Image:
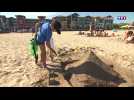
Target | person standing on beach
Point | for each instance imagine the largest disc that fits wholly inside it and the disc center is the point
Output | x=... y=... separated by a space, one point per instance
x=92 y=29
x=56 y=26
x=43 y=35
x=129 y=38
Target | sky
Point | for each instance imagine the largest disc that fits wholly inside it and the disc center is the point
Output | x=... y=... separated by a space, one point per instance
x=49 y=15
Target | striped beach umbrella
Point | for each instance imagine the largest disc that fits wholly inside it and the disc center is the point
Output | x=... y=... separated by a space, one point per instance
x=125 y=26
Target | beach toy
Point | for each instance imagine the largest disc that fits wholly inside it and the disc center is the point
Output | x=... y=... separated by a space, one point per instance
x=33 y=47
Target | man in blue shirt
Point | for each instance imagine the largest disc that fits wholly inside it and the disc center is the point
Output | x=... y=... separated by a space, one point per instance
x=43 y=35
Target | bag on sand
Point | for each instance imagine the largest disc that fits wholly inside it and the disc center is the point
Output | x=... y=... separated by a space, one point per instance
x=33 y=46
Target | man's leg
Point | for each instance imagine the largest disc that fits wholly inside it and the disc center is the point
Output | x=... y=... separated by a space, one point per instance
x=52 y=46
x=51 y=55
x=43 y=54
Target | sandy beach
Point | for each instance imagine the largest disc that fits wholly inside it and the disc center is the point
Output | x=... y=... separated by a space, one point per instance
x=17 y=67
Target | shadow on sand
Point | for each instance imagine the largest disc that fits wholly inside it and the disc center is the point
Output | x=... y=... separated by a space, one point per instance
x=92 y=69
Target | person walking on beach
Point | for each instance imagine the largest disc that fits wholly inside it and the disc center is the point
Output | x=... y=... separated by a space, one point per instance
x=43 y=35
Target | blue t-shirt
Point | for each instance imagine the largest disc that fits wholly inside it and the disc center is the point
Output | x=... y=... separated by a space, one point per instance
x=44 y=32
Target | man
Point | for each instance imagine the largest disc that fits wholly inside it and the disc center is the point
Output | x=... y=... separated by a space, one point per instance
x=129 y=37
x=43 y=35
x=92 y=29
x=56 y=25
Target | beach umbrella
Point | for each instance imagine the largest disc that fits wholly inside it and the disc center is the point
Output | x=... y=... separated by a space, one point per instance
x=125 y=26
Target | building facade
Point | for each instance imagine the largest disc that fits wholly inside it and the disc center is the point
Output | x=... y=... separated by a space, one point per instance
x=74 y=22
x=108 y=22
x=4 y=24
x=64 y=22
x=12 y=24
x=84 y=22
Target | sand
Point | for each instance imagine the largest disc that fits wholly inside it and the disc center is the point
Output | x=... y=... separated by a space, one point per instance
x=109 y=44
x=17 y=67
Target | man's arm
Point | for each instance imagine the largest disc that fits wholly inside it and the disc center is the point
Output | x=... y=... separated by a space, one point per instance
x=36 y=29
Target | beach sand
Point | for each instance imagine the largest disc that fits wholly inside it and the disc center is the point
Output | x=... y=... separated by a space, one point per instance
x=17 y=67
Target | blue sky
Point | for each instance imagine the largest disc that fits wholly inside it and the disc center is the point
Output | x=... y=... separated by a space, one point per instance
x=129 y=15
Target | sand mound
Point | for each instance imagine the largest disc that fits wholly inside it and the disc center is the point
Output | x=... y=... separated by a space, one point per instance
x=79 y=68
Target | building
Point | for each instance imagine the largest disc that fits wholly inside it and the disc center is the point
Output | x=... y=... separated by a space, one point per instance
x=18 y=24
x=108 y=23
x=21 y=24
x=69 y=22
x=99 y=22
x=4 y=24
x=30 y=24
x=26 y=25
x=64 y=22
x=84 y=22
x=12 y=24
x=103 y=22
x=74 y=22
